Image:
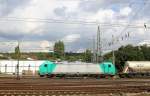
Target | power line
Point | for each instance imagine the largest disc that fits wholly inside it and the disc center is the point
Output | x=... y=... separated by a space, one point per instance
x=118 y=2
x=136 y=14
x=36 y=20
x=128 y=25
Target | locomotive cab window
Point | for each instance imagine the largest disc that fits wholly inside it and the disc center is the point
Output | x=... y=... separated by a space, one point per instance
x=109 y=65
x=45 y=65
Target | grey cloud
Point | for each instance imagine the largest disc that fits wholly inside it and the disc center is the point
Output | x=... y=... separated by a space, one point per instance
x=90 y=6
x=143 y=11
x=95 y=5
x=60 y=11
x=11 y=35
x=54 y=31
x=7 y=6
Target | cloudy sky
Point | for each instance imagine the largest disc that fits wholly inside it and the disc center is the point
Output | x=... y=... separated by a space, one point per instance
x=74 y=21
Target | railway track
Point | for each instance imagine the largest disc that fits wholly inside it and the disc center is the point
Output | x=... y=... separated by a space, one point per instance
x=43 y=87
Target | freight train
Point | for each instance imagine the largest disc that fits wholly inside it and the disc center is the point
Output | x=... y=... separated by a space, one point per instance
x=104 y=69
x=136 y=69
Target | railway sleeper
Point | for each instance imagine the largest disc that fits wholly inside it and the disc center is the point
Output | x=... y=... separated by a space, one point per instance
x=38 y=93
x=134 y=75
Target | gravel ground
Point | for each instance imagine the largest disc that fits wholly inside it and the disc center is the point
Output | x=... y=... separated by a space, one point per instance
x=74 y=87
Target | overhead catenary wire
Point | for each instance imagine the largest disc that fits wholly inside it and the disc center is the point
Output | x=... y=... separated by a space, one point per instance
x=38 y=20
x=128 y=25
x=119 y=1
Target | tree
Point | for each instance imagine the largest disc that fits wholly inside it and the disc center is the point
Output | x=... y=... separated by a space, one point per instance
x=17 y=52
x=146 y=52
x=127 y=53
x=59 y=49
x=88 y=55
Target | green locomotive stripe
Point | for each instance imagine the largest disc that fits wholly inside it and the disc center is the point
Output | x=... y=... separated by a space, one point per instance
x=107 y=68
x=102 y=69
x=51 y=67
x=47 y=67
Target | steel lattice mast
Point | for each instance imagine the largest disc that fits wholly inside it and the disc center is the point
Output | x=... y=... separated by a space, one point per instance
x=99 y=45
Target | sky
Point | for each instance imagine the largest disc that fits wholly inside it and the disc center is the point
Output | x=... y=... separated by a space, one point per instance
x=40 y=23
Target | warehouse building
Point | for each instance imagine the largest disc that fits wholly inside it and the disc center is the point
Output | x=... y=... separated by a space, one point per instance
x=29 y=67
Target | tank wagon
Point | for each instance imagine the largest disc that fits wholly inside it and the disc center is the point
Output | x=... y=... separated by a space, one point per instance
x=73 y=69
x=136 y=69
